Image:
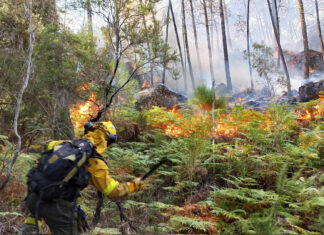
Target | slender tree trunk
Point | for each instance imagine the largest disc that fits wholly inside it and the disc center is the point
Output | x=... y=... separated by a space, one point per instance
x=319 y=28
x=21 y=92
x=179 y=48
x=211 y=24
x=305 y=39
x=248 y=43
x=278 y=27
x=184 y=31
x=280 y=50
x=227 y=25
x=89 y=15
x=226 y=59
x=148 y=48
x=216 y=30
x=208 y=43
x=195 y=36
x=166 y=40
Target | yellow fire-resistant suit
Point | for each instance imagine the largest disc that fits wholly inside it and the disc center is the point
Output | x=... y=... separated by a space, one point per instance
x=99 y=171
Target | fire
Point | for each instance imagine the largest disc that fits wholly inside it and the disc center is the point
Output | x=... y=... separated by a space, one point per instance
x=180 y=126
x=173 y=109
x=146 y=84
x=81 y=113
x=304 y=115
x=227 y=125
x=315 y=112
x=240 y=99
x=84 y=87
x=311 y=70
x=175 y=122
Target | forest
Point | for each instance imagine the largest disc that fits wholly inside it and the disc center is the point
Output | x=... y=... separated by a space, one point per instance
x=218 y=107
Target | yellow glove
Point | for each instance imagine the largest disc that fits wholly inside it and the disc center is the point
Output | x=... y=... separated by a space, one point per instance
x=135 y=185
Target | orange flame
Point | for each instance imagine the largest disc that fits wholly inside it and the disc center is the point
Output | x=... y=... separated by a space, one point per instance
x=312 y=113
x=146 y=84
x=304 y=115
x=311 y=70
x=84 y=87
x=179 y=127
x=82 y=112
x=240 y=99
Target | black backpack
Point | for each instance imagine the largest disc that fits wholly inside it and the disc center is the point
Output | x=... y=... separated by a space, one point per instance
x=60 y=172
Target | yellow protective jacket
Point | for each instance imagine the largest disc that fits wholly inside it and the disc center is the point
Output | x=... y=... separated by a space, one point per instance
x=99 y=177
x=98 y=169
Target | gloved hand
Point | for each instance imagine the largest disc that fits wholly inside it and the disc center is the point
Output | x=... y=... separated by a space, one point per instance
x=82 y=221
x=135 y=185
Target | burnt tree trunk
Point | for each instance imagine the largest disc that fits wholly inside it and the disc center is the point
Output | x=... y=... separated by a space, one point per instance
x=319 y=28
x=248 y=43
x=280 y=50
x=305 y=39
x=195 y=35
x=226 y=59
x=185 y=35
x=179 y=47
x=208 y=43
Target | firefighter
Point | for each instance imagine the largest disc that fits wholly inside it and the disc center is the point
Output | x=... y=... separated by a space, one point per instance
x=57 y=214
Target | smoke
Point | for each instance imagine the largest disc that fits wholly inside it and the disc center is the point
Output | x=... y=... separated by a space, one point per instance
x=314 y=78
x=260 y=32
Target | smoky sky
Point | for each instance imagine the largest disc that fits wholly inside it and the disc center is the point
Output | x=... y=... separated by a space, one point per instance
x=260 y=32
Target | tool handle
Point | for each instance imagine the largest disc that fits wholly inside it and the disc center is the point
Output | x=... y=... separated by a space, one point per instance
x=154 y=168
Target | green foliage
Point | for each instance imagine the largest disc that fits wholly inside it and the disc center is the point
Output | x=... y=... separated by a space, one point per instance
x=265 y=65
x=205 y=97
x=179 y=223
x=262 y=176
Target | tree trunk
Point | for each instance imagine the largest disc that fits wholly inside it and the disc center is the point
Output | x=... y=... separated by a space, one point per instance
x=305 y=39
x=21 y=92
x=248 y=43
x=166 y=40
x=184 y=31
x=209 y=44
x=275 y=16
x=179 y=47
x=278 y=28
x=89 y=15
x=50 y=14
x=195 y=36
x=227 y=26
x=319 y=28
x=280 y=50
x=226 y=59
x=211 y=24
x=148 y=49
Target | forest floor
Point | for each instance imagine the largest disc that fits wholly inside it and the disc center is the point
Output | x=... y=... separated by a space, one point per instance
x=263 y=175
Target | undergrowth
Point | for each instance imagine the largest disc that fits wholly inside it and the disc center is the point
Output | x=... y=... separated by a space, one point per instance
x=265 y=177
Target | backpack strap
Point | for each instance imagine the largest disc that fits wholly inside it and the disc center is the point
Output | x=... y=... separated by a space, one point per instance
x=98 y=156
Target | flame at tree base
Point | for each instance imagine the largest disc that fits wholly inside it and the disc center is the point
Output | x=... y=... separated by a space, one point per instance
x=83 y=112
